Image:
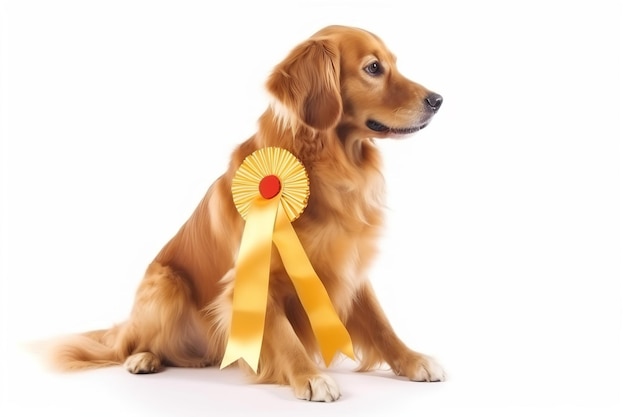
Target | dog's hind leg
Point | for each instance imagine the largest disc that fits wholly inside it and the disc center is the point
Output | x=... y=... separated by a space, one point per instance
x=166 y=327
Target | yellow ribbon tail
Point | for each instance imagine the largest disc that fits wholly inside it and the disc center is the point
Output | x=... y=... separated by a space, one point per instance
x=252 y=270
x=329 y=331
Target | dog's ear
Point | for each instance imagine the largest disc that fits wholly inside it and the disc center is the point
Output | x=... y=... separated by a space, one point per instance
x=306 y=83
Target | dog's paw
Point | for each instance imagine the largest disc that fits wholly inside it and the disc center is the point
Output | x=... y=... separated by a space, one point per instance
x=422 y=368
x=143 y=363
x=318 y=388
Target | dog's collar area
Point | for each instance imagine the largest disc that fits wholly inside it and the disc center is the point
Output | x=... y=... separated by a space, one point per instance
x=379 y=127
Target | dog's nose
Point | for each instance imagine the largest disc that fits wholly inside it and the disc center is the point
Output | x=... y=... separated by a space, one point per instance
x=434 y=100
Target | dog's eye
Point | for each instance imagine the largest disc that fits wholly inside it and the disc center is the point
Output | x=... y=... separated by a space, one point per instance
x=374 y=68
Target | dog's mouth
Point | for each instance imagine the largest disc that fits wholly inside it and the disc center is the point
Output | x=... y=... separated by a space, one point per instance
x=382 y=128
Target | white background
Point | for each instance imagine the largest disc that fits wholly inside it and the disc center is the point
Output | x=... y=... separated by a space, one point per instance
x=502 y=253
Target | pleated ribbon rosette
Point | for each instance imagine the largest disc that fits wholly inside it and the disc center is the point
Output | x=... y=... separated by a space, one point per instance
x=270 y=190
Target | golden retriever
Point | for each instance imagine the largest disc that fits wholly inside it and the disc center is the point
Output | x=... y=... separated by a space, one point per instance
x=331 y=97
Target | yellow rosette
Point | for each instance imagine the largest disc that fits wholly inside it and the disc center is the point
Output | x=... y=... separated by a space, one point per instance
x=270 y=190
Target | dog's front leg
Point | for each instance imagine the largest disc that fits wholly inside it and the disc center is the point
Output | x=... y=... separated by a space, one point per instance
x=377 y=342
x=284 y=360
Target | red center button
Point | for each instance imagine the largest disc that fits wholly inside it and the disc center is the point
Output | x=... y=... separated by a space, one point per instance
x=269 y=187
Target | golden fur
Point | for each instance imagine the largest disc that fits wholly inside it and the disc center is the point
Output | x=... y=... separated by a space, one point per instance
x=332 y=95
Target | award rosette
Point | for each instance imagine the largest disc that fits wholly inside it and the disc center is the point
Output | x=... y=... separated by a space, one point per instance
x=270 y=190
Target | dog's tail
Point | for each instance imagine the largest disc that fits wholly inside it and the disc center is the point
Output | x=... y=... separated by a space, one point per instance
x=95 y=349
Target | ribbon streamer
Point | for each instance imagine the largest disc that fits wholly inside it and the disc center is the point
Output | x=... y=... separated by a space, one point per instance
x=251 y=285
x=328 y=329
x=270 y=190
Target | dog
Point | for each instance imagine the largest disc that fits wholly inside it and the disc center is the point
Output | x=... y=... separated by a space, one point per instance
x=330 y=98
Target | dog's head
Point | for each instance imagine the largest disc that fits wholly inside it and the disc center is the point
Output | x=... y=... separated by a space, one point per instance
x=345 y=78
